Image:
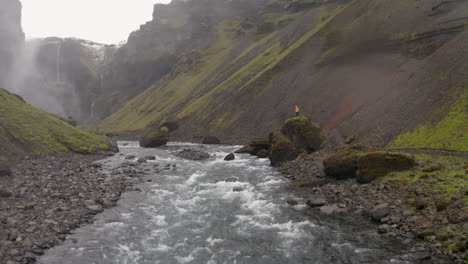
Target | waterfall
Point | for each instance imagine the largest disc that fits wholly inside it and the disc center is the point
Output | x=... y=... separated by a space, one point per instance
x=93 y=104
x=59 y=47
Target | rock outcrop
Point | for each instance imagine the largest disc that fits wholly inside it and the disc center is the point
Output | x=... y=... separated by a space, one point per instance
x=155 y=140
x=299 y=135
x=211 y=140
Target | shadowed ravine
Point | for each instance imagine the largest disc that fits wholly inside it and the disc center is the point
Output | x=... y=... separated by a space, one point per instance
x=189 y=213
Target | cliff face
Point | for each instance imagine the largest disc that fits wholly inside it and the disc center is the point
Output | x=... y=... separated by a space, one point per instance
x=372 y=69
x=11 y=37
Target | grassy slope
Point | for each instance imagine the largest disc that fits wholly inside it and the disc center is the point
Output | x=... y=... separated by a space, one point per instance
x=164 y=98
x=450 y=133
x=25 y=130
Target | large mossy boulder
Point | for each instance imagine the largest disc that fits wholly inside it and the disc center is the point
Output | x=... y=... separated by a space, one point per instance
x=211 y=140
x=157 y=139
x=373 y=165
x=281 y=149
x=303 y=133
x=343 y=163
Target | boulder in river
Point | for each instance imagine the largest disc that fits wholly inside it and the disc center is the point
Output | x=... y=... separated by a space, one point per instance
x=157 y=139
x=230 y=157
x=211 y=140
x=258 y=147
x=374 y=165
x=4 y=169
x=193 y=154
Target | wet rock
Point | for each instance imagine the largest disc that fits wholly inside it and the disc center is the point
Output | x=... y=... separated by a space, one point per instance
x=292 y=202
x=95 y=208
x=192 y=154
x=211 y=140
x=383 y=229
x=281 y=149
x=331 y=209
x=255 y=147
x=316 y=202
x=4 y=193
x=141 y=160
x=129 y=157
x=237 y=189
x=232 y=179
x=374 y=165
x=230 y=157
x=150 y=157
x=263 y=154
x=246 y=150
x=157 y=139
x=5 y=169
x=380 y=211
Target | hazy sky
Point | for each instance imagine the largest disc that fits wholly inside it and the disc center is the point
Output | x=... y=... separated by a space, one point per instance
x=105 y=21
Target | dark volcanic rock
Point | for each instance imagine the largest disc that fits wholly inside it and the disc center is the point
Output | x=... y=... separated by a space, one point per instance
x=281 y=149
x=193 y=154
x=230 y=157
x=374 y=165
x=343 y=163
x=211 y=140
x=156 y=139
x=263 y=154
x=303 y=133
x=4 y=169
x=4 y=193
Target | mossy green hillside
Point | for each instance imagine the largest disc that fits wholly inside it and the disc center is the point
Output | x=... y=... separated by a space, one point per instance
x=450 y=133
x=25 y=130
x=191 y=93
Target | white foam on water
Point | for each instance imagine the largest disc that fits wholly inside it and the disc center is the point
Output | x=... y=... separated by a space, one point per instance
x=212 y=241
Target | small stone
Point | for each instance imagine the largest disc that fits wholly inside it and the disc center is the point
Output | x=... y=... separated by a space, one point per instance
x=230 y=157
x=380 y=211
x=383 y=229
x=4 y=169
x=316 y=202
x=238 y=189
x=150 y=157
x=4 y=193
x=95 y=208
x=292 y=202
x=129 y=157
x=420 y=204
x=330 y=209
x=141 y=160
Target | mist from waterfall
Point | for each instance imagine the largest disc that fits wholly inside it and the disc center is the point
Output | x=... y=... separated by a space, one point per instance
x=30 y=83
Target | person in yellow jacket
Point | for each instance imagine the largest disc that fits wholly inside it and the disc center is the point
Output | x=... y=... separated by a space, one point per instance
x=297 y=110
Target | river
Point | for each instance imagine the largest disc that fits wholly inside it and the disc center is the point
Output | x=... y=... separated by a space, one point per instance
x=214 y=211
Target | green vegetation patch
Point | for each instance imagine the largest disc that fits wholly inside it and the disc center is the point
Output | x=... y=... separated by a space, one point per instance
x=451 y=133
x=25 y=130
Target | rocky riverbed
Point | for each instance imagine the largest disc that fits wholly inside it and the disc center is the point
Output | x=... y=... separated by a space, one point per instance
x=46 y=198
x=421 y=221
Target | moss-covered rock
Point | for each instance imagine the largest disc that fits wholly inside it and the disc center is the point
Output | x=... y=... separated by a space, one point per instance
x=211 y=140
x=157 y=139
x=304 y=133
x=373 y=165
x=343 y=164
x=281 y=149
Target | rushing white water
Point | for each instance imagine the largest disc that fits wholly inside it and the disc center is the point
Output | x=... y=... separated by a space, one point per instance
x=190 y=213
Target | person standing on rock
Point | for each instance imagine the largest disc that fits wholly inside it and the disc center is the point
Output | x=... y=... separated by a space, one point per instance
x=297 y=110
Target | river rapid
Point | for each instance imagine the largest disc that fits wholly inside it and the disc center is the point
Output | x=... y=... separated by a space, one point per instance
x=214 y=211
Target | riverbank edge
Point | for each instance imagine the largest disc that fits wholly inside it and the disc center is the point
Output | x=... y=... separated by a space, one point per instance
x=47 y=198
x=383 y=204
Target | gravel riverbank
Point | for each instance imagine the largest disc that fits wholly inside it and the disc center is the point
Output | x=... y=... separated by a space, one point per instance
x=417 y=221
x=46 y=198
